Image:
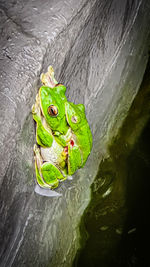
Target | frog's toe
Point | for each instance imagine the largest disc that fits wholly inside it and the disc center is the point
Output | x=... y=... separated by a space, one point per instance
x=50 y=70
x=51 y=183
x=42 y=78
x=36 y=149
x=48 y=78
x=33 y=109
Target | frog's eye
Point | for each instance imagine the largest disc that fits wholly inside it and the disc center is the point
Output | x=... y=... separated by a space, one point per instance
x=52 y=111
x=74 y=119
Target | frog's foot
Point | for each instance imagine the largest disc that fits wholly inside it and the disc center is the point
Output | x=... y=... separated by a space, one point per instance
x=51 y=174
x=41 y=181
x=38 y=166
x=48 y=78
x=34 y=110
x=47 y=174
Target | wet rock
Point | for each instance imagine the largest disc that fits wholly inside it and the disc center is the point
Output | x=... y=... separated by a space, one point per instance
x=99 y=51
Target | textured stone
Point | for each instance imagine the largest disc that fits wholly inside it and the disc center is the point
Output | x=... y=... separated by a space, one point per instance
x=99 y=51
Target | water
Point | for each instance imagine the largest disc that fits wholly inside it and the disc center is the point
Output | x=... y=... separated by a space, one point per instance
x=115 y=228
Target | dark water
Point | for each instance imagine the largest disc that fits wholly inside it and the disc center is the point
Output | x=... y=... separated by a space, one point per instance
x=134 y=247
x=115 y=228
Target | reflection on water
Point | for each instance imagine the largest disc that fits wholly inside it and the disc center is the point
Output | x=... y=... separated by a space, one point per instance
x=115 y=228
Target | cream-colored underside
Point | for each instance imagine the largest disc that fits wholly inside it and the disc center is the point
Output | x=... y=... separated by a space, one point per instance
x=51 y=154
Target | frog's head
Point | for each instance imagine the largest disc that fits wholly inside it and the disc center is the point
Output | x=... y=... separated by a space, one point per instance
x=52 y=103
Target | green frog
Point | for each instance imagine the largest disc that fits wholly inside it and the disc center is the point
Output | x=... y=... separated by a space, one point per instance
x=63 y=135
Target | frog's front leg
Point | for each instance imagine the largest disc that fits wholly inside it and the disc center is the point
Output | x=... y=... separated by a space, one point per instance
x=47 y=174
x=43 y=136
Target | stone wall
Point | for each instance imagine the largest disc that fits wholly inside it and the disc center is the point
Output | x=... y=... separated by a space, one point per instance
x=99 y=50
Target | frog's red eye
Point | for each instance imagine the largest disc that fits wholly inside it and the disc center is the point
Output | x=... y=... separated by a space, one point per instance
x=52 y=111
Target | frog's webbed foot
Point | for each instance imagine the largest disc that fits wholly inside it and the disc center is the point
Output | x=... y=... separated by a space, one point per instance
x=48 y=78
x=41 y=187
x=47 y=174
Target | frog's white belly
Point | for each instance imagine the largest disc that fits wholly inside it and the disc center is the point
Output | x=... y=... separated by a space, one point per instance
x=51 y=154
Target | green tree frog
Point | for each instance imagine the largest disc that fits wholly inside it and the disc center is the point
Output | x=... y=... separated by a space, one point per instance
x=63 y=135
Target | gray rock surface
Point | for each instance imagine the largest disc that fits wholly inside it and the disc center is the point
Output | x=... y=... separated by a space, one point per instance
x=99 y=50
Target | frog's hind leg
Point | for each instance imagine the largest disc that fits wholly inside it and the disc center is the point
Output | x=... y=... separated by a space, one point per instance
x=38 y=168
x=47 y=174
x=51 y=175
x=39 y=177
